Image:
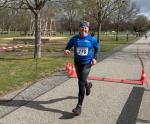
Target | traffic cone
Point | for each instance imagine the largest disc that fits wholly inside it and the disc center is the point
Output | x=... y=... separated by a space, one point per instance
x=69 y=69
x=143 y=76
x=73 y=72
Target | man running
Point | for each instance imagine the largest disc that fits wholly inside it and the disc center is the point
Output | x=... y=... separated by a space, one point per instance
x=84 y=58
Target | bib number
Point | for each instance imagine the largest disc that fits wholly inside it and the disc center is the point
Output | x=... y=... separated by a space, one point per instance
x=82 y=51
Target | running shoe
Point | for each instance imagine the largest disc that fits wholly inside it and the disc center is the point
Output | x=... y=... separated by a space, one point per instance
x=77 y=110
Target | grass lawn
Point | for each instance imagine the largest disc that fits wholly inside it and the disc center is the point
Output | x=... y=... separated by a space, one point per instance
x=18 y=68
x=15 y=73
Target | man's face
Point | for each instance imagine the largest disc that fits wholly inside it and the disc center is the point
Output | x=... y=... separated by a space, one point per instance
x=84 y=29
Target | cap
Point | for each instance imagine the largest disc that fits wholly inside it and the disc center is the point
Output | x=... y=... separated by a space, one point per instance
x=84 y=23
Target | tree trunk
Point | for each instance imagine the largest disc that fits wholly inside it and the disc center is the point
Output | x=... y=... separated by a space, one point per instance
x=117 y=27
x=70 y=31
x=37 y=51
x=70 y=27
x=117 y=30
x=98 y=31
x=8 y=29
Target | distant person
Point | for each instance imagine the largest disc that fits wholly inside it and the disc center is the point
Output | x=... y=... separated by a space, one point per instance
x=145 y=36
x=92 y=34
x=83 y=44
x=61 y=32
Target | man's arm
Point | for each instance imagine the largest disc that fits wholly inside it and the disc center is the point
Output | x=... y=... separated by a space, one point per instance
x=96 y=51
x=68 y=47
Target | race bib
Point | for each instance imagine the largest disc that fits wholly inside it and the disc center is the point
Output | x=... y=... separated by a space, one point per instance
x=82 y=51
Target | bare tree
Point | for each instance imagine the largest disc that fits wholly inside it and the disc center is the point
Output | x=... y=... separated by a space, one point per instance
x=70 y=8
x=35 y=6
x=99 y=10
x=22 y=20
x=141 y=23
x=124 y=13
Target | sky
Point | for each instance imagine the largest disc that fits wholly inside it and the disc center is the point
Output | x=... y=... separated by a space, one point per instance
x=144 y=6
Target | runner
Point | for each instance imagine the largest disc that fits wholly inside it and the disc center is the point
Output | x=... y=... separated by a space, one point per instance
x=145 y=36
x=83 y=44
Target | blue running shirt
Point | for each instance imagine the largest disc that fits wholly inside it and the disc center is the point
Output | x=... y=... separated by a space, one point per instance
x=83 y=48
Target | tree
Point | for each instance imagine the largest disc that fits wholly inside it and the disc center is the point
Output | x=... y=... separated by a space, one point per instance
x=124 y=13
x=4 y=19
x=99 y=10
x=35 y=7
x=141 y=23
x=7 y=17
x=70 y=8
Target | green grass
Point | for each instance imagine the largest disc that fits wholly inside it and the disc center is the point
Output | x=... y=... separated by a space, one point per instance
x=109 y=42
x=11 y=34
x=18 y=68
x=19 y=72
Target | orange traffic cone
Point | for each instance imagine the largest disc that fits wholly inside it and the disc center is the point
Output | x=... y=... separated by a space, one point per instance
x=143 y=76
x=73 y=72
x=67 y=67
x=70 y=69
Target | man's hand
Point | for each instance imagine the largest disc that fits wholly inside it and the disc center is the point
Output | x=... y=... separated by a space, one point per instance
x=67 y=52
x=94 y=61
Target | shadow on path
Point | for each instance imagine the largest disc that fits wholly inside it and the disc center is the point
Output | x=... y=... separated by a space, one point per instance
x=131 y=108
x=143 y=121
x=37 y=105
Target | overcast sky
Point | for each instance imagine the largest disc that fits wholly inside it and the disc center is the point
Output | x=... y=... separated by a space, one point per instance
x=144 y=6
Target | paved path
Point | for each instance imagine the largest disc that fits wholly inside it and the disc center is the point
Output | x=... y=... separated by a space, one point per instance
x=109 y=103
